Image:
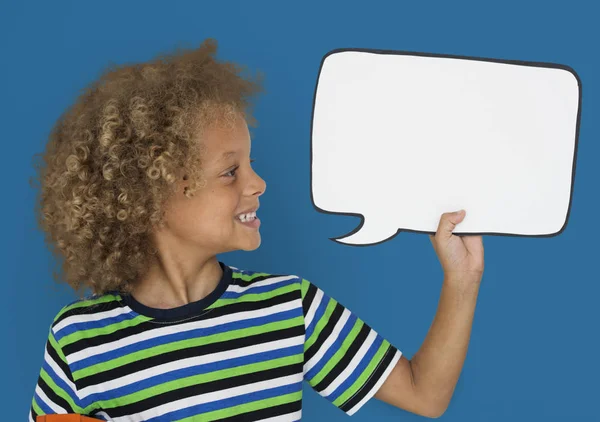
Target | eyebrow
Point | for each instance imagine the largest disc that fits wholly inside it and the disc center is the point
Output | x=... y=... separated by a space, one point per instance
x=228 y=154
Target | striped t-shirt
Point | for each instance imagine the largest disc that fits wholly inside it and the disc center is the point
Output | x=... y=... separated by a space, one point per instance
x=239 y=354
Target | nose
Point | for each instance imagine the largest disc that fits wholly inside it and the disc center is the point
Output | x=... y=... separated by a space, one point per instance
x=257 y=186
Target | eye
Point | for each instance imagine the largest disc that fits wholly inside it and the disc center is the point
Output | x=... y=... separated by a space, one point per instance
x=231 y=173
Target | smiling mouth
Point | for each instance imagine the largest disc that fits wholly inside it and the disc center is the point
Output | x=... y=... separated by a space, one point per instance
x=249 y=220
x=247 y=217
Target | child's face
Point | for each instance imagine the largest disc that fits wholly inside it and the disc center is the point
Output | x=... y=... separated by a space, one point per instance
x=209 y=221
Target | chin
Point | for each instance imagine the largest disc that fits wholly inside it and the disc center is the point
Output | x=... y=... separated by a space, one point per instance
x=253 y=247
x=248 y=249
x=252 y=244
x=246 y=244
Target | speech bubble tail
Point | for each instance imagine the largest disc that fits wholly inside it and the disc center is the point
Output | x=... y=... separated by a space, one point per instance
x=367 y=234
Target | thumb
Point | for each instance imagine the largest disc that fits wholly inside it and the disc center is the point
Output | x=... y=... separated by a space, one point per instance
x=448 y=223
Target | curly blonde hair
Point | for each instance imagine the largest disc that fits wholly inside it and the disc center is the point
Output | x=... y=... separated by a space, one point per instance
x=113 y=157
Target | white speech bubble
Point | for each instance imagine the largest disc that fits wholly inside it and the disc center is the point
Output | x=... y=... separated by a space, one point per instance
x=400 y=138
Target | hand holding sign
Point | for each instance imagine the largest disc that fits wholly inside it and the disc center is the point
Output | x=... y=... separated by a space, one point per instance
x=461 y=257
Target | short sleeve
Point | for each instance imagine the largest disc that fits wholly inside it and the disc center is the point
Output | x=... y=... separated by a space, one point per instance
x=55 y=392
x=345 y=360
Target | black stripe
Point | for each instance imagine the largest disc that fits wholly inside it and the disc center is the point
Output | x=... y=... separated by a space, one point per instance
x=325 y=332
x=198 y=389
x=179 y=354
x=94 y=412
x=149 y=325
x=309 y=296
x=32 y=413
x=84 y=343
x=269 y=412
x=61 y=364
x=385 y=362
x=243 y=283
x=345 y=360
x=89 y=310
x=55 y=398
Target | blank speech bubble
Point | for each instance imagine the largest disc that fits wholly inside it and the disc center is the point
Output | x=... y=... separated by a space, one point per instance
x=400 y=138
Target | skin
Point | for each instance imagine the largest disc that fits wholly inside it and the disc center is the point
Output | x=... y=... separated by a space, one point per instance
x=197 y=229
x=425 y=384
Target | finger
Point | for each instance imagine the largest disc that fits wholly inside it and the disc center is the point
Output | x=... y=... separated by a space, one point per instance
x=448 y=223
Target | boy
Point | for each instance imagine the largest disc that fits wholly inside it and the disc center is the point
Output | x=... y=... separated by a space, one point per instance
x=147 y=178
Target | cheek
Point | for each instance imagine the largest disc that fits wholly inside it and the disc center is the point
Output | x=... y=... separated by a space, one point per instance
x=205 y=226
x=216 y=219
x=211 y=214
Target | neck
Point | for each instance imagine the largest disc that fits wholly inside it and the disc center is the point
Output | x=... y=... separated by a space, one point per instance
x=173 y=281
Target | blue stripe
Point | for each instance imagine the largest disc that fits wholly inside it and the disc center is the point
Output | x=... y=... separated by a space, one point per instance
x=181 y=374
x=201 y=409
x=45 y=409
x=318 y=315
x=59 y=382
x=180 y=336
x=81 y=326
x=337 y=344
x=258 y=289
x=358 y=370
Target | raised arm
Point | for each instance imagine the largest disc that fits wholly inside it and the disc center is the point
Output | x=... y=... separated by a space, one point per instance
x=425 y=384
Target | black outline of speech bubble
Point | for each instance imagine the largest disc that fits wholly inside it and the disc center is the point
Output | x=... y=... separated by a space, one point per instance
x=447 y=56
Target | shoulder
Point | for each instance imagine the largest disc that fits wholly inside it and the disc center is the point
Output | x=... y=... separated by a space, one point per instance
x=245 y=278
x=267 y=284
x=248 y=277
x=87 y=309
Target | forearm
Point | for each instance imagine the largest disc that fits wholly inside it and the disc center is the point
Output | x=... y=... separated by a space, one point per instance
x=437 y=364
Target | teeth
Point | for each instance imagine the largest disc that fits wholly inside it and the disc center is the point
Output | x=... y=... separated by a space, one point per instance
x=247 y=217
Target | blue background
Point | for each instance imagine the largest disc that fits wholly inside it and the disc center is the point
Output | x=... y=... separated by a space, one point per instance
x=534 y=347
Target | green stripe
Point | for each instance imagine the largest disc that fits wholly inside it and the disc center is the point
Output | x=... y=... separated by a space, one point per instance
x=248 y=277
x=305 y=286
x=89 y=302
x=337 y=357
x=254 y=297
x=362 y=379
x=321 y=323
x=36 y=408
x=198 y=379
x=57 y=348
x=59 y=391
x=246 y=407
x=109 y=329
x=183 y=344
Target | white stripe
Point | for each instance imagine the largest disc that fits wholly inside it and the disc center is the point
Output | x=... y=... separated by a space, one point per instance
x=377 y=385
x=188 y=362
x=351 y=366
x=173 y=329
x=335 y=333
x=55 y=407
x=267 y=282
x=57 y=369
x=75 y=319
x=313 y=308
x=295 y=416
x=210 y=397
x=103 y=415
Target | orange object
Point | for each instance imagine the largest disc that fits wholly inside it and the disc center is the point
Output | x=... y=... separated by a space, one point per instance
x=64 y=418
